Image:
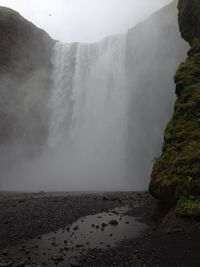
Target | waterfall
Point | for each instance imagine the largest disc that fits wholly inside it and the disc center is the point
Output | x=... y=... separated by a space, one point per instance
x=106 y=111
x=88 y=108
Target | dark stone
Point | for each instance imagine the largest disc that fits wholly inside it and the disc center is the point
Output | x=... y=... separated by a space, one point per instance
x=113 y=222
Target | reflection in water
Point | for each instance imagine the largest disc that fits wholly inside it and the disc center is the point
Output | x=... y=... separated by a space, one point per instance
x=64 y=246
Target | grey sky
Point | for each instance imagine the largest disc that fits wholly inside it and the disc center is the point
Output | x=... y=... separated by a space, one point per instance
x=84 y=20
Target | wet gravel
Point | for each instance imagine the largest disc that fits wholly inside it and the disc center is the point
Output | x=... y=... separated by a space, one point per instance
x=26 y=216
x=156 y=248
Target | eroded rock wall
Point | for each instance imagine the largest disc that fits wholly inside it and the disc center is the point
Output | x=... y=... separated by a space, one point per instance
x=176 y=173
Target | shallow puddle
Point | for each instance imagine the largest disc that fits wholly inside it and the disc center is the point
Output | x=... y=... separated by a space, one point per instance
x=63 y=247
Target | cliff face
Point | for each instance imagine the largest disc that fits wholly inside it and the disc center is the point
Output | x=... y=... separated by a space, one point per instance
x=24 y=79
x=189 y=19
x=176 y=173
x=154 y=51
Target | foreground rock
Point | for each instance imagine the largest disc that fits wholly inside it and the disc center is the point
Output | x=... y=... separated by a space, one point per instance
x=175 y=176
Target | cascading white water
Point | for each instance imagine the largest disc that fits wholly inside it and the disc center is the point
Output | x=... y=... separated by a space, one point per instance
x=88 y=108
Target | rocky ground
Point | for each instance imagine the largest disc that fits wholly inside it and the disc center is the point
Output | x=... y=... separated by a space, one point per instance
x=174 y=244
x=26 y=216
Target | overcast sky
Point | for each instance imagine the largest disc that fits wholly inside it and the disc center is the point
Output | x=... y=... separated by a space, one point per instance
x=84 y=20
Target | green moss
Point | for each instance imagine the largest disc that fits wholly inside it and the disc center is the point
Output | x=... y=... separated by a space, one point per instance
x=176 y=173
x=189 y=207
x=189 y=72
x=189 y=19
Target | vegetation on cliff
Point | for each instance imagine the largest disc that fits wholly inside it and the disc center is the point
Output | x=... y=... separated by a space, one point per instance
x=176 y=173
x=23 y=46
x=24 y=78
x=189 y=19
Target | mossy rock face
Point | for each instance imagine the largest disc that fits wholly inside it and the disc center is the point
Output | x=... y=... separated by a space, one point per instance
x=177 y=172
x=188 y=73
x=189 y=19
x=188 y=207
x=175 y=178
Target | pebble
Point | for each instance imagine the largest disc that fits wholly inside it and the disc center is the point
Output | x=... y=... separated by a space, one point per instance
x=6 y=264
x=113 y=222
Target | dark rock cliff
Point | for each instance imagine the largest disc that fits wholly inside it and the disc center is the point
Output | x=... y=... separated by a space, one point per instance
x=176 y=173
x=189 y=19
x=24 y=79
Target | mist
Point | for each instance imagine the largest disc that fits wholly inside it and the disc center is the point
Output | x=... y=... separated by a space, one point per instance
x=99 y=124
